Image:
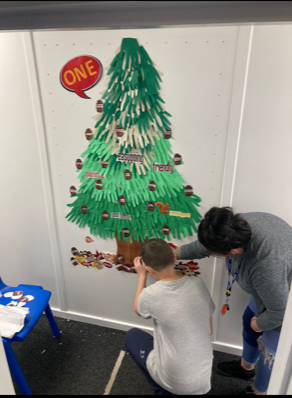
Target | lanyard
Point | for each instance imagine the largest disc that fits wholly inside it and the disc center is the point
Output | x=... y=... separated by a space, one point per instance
x=229 y=285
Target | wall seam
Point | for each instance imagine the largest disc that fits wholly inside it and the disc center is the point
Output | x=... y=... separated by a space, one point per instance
x=45 y=164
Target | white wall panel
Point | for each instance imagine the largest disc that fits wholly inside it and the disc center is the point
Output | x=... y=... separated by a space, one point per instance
x=264 y=171
x=25 y=235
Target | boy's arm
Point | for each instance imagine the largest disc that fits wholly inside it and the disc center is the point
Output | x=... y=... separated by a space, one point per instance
x=211 y=325
x=142 y=273
x=141 y=286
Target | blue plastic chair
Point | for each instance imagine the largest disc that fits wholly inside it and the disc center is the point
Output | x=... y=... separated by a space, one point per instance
x=36 y=308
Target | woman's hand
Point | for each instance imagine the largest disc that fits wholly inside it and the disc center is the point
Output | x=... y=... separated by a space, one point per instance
x=139 y=266
x=254 y=326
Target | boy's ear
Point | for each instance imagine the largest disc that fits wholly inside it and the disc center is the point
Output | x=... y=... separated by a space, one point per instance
x=150 y=270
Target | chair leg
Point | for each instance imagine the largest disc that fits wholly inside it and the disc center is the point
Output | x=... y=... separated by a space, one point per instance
x=52 y=321
x=15 y=369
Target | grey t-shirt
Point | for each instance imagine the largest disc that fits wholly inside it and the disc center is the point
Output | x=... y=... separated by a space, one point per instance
x=181 y=360
x=266 y=270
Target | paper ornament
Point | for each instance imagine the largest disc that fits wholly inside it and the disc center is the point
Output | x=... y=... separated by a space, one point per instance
x=126 y=232
x=79 y=164
x=88 y=239
x=73 y=191
x=98 y=185
x=167 y=134
x=84 y=209
x=105 y=215
x=150 y=206
x=74 y=251
x=120 y=259
x=152 y=186
x=122 y=200
x=127 y=174
x=88 y=134
x=189 y=190
x=107 y=265
x=73 y=261
x=165 y=230
x=177 y=159
x=104 y=164
x=99 y=106
x=119 y=131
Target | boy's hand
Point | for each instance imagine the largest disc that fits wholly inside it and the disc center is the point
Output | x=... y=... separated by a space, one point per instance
x=139 y=267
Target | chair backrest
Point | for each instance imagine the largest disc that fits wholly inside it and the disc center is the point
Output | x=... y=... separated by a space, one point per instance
x=2 y=284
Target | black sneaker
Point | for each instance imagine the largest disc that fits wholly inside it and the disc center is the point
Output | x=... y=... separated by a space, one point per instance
x=247 y=391
x=234 y=369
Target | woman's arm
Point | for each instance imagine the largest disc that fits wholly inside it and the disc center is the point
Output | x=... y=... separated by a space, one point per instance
x=191 y=251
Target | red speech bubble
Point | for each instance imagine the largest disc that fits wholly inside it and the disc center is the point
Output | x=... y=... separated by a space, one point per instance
x=80 y=74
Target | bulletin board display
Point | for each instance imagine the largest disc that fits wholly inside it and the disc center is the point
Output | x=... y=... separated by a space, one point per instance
x=197 y=64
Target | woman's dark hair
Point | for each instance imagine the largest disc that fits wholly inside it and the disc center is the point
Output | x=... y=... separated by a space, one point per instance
x=221 y=231
x=157 y=254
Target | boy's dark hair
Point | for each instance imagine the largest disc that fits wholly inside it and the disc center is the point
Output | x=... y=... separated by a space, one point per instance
x=221 y=231
x=157 y=254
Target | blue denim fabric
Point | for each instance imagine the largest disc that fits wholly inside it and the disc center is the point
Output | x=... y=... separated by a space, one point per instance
x=252 y=353
x=139 y=344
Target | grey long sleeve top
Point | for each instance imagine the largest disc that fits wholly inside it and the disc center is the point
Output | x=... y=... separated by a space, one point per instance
x=266 y=270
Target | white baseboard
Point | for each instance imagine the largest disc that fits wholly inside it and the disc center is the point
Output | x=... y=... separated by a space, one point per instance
x=110 y=323
x=227 y=348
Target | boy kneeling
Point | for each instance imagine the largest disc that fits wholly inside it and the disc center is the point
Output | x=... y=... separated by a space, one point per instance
x=178 y=360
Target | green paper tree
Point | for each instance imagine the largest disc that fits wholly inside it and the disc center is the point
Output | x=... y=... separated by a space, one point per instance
x=132 y=134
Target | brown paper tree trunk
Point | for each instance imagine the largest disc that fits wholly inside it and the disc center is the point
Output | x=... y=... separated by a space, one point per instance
x=129 y=250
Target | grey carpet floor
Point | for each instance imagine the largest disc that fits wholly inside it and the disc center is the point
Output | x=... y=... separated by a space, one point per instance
x=82 y=360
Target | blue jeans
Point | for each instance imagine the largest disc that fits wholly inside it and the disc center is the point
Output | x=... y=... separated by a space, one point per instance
x=252 y=344
x=139 y=344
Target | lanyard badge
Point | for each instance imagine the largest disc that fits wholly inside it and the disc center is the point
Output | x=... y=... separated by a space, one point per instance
x=229 y=285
